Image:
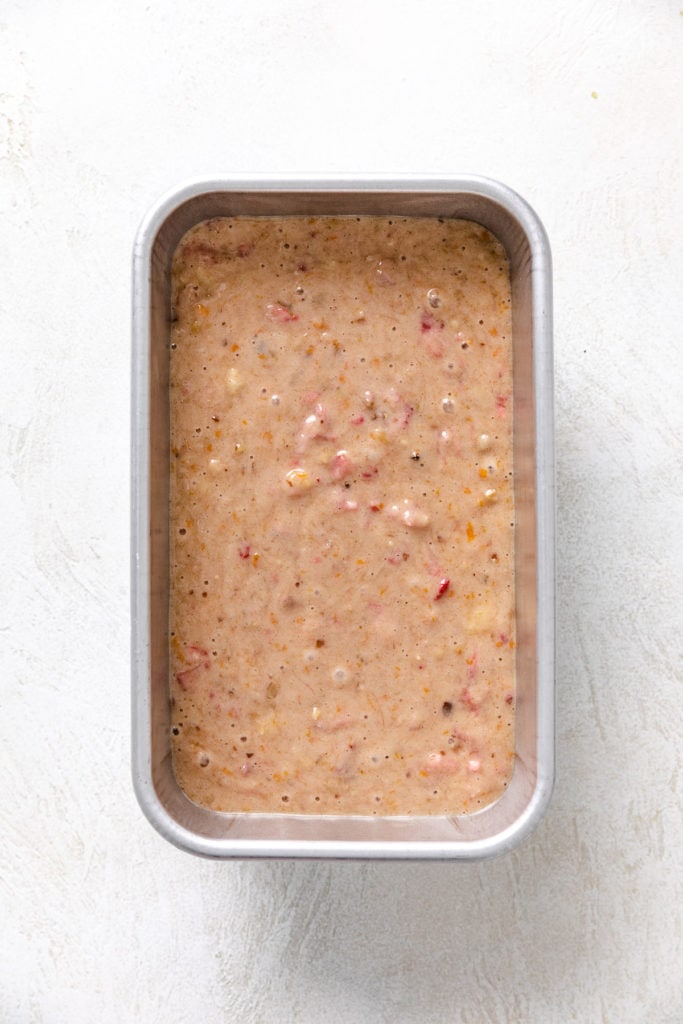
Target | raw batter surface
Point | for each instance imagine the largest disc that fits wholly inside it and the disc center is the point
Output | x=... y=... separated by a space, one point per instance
x=342 y=578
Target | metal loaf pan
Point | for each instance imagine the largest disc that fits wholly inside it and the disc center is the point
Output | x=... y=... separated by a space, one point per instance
x=496 y=828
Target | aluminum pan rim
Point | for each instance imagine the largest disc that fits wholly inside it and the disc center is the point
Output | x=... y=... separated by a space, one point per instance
x=541 y=270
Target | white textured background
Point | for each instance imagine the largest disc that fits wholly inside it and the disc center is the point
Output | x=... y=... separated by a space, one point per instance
x=103 y=107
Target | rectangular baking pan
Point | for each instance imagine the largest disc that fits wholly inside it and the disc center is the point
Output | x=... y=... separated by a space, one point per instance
x=498 y=827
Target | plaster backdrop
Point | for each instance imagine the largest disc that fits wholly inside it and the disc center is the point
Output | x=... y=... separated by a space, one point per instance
x=103 y=107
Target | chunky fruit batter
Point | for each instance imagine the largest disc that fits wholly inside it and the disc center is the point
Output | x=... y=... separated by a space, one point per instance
x=341 y=552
